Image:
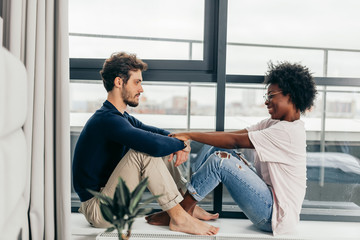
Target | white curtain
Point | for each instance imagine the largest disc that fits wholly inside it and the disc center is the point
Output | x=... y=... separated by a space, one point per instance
x=36 y=31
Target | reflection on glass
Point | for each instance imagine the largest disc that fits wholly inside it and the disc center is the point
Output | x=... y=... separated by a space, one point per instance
x=85 y=99
x=244 y=105
x=162 y=106
x=344 y=64
x=156 y=29
x=334 y=175
x=203 y=99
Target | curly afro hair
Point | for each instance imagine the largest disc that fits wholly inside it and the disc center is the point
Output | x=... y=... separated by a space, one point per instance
x=295 y=80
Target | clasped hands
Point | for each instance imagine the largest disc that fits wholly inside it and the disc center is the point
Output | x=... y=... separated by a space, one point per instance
x=181 y=155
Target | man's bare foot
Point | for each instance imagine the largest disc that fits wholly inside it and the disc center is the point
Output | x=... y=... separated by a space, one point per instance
x=163 y=218
x=188 y=224
x=159 y=218
x=201 y=214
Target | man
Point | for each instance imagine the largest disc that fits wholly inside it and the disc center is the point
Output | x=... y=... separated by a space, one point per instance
x=114 y=144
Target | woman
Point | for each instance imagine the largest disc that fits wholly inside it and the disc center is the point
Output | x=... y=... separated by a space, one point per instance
x=272 y=196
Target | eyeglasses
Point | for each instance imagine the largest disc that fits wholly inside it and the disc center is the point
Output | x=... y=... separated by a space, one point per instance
x=268 y=97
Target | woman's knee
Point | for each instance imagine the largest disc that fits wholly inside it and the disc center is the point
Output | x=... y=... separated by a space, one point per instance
x=220 y=156
x=223 y=154
x=216 y=158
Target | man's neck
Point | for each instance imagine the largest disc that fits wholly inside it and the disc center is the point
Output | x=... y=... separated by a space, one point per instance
x=117 y=102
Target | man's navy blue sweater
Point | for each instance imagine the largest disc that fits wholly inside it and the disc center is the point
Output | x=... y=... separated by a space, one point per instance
x=106 y=138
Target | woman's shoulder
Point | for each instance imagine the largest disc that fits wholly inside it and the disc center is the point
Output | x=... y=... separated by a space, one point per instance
x=297 y=124
x=269 y=122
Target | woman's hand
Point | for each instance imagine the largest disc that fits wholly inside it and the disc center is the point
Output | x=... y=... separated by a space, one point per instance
x=181 y=136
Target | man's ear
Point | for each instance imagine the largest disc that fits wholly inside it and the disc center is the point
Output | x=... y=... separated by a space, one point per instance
x=118 y=82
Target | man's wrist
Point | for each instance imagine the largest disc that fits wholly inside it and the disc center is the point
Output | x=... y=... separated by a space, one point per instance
x=187 y=147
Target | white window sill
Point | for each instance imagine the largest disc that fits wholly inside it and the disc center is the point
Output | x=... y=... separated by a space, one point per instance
x=229 y=229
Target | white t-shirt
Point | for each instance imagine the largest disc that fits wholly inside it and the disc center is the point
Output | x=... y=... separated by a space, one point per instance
x=281 y=163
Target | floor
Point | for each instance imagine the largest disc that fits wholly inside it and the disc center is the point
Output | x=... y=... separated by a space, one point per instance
x=230 y=229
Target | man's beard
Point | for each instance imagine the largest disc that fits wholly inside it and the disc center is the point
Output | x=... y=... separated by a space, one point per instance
x=126 y=98
x=130 y=103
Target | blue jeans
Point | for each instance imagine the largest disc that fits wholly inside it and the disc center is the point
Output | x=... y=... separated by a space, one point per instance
x=249 y=191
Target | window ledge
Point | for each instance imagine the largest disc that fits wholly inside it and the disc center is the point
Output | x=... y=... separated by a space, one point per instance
x=229 y=229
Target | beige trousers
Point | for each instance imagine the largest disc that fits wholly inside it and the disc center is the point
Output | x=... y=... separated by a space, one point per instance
x=164 y=179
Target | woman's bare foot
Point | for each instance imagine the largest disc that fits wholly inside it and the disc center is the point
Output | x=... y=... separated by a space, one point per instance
x=159 y=218
x=188 y=224
x=201 y=214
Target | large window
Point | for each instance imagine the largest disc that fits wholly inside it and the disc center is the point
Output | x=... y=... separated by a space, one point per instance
x=207 y=61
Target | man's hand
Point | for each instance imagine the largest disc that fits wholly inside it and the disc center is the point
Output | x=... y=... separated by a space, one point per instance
x=182 y=155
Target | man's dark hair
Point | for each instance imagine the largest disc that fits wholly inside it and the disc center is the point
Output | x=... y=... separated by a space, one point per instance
x=295 y=80
x=119 y=65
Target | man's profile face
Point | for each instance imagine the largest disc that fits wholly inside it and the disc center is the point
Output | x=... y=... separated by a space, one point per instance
x=132 y=89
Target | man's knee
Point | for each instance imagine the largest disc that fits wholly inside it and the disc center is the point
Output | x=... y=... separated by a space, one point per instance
x=141 y=156
x=145 y=161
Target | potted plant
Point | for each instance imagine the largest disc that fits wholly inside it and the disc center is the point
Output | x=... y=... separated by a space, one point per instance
x=124 y=207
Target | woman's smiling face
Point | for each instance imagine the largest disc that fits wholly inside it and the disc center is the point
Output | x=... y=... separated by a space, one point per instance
x=279 y=106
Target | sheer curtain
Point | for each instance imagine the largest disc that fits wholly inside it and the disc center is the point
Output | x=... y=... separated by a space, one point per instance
x=36 y=31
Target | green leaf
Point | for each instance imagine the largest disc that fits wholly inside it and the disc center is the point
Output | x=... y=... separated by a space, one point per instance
x=146 y=201
x=123 y=194
x=142 y=183
x=137 y=194
x=150 y=199
x=130 y=223
x=110 y=229
x=102 y=197
x=120 y=222
x=117 y=205
x=106 y=212
x=141 y=212
x=119 y=211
